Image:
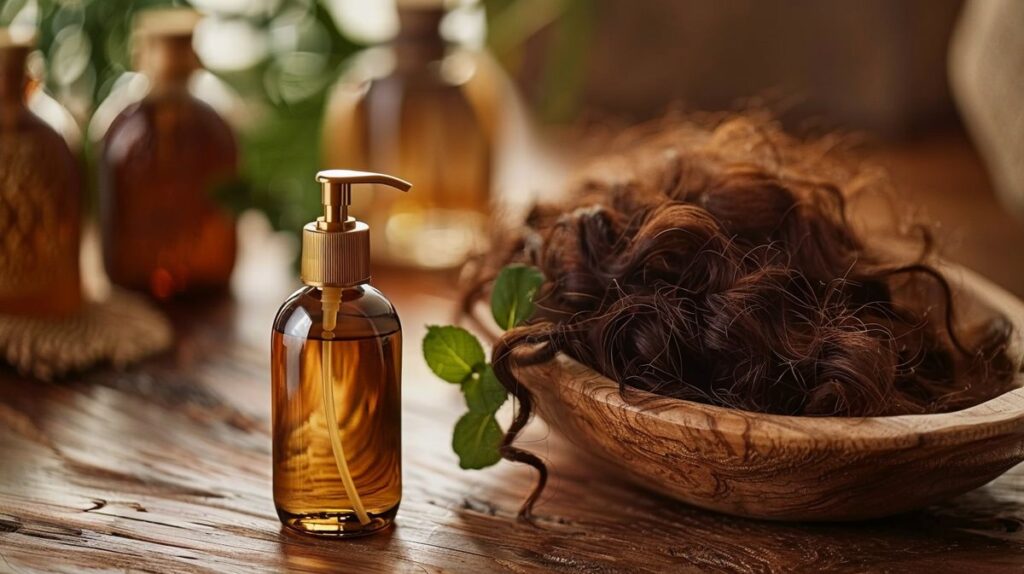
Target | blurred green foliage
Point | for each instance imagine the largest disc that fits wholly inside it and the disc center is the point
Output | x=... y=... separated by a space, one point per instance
x=282 y=151
x=569 y=25
x=87 y=42
x=87 y=48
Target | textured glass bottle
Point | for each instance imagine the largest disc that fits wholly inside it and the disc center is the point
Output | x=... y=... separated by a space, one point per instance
x=407 y=108
x=162 y=160
x=336 y=362
x=40 y=202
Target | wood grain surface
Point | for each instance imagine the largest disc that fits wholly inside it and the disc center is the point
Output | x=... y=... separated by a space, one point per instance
x=166 y=468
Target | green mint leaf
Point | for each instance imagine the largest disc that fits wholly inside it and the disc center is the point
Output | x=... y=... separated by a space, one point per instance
x=484 y=393
x=476 y=440
x=452 y=352
x=512 y=297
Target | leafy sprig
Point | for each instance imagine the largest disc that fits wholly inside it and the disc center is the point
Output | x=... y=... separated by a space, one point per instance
x=456 y=356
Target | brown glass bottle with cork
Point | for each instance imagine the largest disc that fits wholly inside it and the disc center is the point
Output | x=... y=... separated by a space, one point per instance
x=408 y=107
x=40 y=201
x=336 y=362
x=163 y=159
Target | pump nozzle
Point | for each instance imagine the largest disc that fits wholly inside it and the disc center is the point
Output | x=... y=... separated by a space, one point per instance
x=336 y=254
x=336 y=193
x=336 y=247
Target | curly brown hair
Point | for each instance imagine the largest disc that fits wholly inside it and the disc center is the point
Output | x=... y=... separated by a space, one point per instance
x=718 y=264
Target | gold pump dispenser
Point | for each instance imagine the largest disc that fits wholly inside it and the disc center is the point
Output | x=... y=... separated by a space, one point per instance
x=336 y=360
x=336 y=247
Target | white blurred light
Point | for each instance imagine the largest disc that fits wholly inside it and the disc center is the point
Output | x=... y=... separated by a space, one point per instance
x=208 y=88
x=363 y=21
x=296 y=76
x=298 y=31
x=284 y=34
x=22 y=25
x=465 y=25
x=237 y=7
x=71 y=56
x=128 y=88
x=224 y=44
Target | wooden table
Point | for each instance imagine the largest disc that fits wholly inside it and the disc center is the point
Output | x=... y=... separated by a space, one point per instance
x=166 y=468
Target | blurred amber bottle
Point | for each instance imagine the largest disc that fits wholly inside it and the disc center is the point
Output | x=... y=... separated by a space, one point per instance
x=40 y=201
x=414 y=108
x=163 y=159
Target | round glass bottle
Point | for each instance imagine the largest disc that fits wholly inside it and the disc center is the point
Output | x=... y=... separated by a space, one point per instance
x=347 y=378
x=40 y=201
x=163 y=159
x=407 y=108
x=336 y=372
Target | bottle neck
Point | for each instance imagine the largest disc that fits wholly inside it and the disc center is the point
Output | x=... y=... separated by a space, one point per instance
x=419 y=41
x=168 y=62
x=13 y=81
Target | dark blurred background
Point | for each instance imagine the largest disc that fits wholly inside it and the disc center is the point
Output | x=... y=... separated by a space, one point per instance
x=876 y=67
x=875 y=64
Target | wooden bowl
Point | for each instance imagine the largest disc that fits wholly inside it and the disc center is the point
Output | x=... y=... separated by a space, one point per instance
x=791 y=468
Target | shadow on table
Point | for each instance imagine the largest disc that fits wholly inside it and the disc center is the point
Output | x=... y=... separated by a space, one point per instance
x=381 y=552
x=589 y=518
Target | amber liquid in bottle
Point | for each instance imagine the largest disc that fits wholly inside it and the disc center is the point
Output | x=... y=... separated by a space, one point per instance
x=40 y=204
x=348 y=378
x=411 y=113
x=162 y=161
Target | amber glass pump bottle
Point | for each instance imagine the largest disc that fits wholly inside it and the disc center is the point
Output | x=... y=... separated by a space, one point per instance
x=336 y=360
x=406 y=107
x=162 y=160
x=40 y=201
